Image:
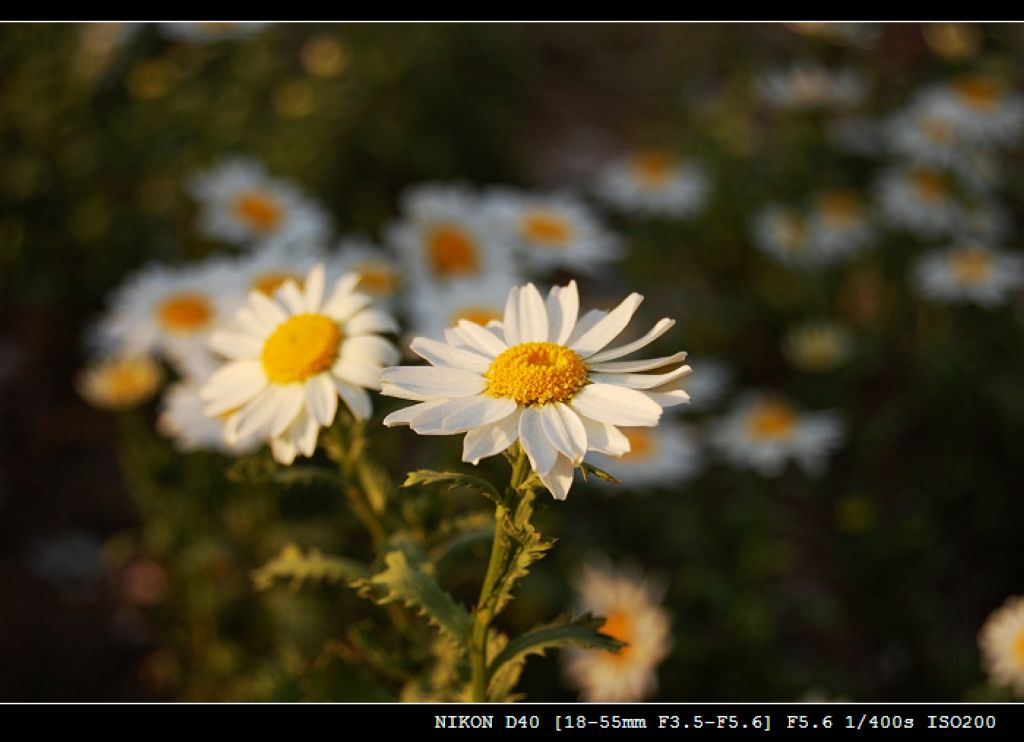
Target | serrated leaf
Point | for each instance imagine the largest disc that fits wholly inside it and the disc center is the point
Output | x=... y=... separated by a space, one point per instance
x=454 y=480
x=583 y=632
x=292 y=564
x=407 y=583
x=588 y=469
x=527 y=547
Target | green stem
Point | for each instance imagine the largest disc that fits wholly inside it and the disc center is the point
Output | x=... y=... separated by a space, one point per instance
x=496 y=567
x=349 y=458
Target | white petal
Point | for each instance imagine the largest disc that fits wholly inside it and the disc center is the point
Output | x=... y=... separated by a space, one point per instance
x=371 y=321
x=426 y=382
x=251 y=323
x=605 y=438
x=233 y=385
x=235 y=345
x=559 y=479
x=343 y=289
x=538 y=448
x=256 y=417
x=368 y=349
x=292 y=400
x=358 y=373
x=321 y=399
x=488 y=440
x=284 y=450
x=407 y=414
x=314 y=291
x=660 y=328
x=357 y=400
x=431 y=422
x=480 y=411
x=574 y=427
x=616 y=405
x=443 y=354
x=511 y=318
x=563 y=305
x=626 y=367
x=608 y=328
x=533 y=317
x=641 y=381
x=585 y=323
x=670 y=394
x=307 y=431
x=346 y=306
x=483 y=340
x=269 y=312
x=291 y=296
x=554 y=429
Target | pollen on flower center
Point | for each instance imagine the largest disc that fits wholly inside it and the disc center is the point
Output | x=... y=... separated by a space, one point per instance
x=971 y=266
x=536 y=373
x=258 y=210
x=653 y=168
x=546 y=229
x=841 y=208
x=184 y=312
x=618 y=626
x=977 y=92
x=269 y=282
x=929 y=186
x=452 y=252
x=772 y=421
x=302 y=346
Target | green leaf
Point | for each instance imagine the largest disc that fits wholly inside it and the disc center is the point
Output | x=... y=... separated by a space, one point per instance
x=292 y=564
x=583 y=632
x=587 y=469
x=454 y=480
x=409 y=583
x=528 y=547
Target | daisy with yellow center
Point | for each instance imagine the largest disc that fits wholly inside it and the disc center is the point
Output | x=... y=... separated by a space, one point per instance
x=981 y=109
x=1001 y=640
x=380 y=274
x=818 y=345
x=240 y=203
x=763 y=432
x=783 y=233
x=838 y=224
x=552 y=232
x=920 y=200
x=444 y=237
x=665 y=456
x=654 y=183
x=171 y=311
x=543 y=376
x=119 y=383
x=632 y=614
x=971 y=273
x=291 y=356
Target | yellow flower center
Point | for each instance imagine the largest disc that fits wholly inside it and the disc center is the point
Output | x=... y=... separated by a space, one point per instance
x=302 y=346
x=536 y=373
x=121 y=383
x=772 y=421
x=971 y=266
x=617 y=625
x=977 y=92
x=653 y=168
x=478 y=313
x=185 y=312
x=842 y=208
x=270 y=282
x=642 y=443
x=929 y=186
x=260 y=211
x=379 y=279
x=546 y=229
x=1018 y=648
x=452 y=252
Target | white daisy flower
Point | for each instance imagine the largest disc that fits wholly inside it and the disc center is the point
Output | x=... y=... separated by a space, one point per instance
x=241 y=204
x=654 y=183
x=171 y=311
x=1001 y=640
x=632 y=614
x=184 y=420
x=807 y=86
x=838 y=224
x=291 y=356
x=120 y=382
x=920 y=200
x=818 y=345
x=924 y=137
x=969 y=272
x=707 y=383
x=380 y=274
x=432 y=310
x=783 y=233
x=981 y=110
x=552 y=231
x=444 y=237
x=275 y=261
x=763 y=432
x=209 y=30
x=542 y=376
x=667 y=455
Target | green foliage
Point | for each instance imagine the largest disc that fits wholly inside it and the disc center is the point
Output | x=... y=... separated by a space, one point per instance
x=292 y=564
x=454 y=480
